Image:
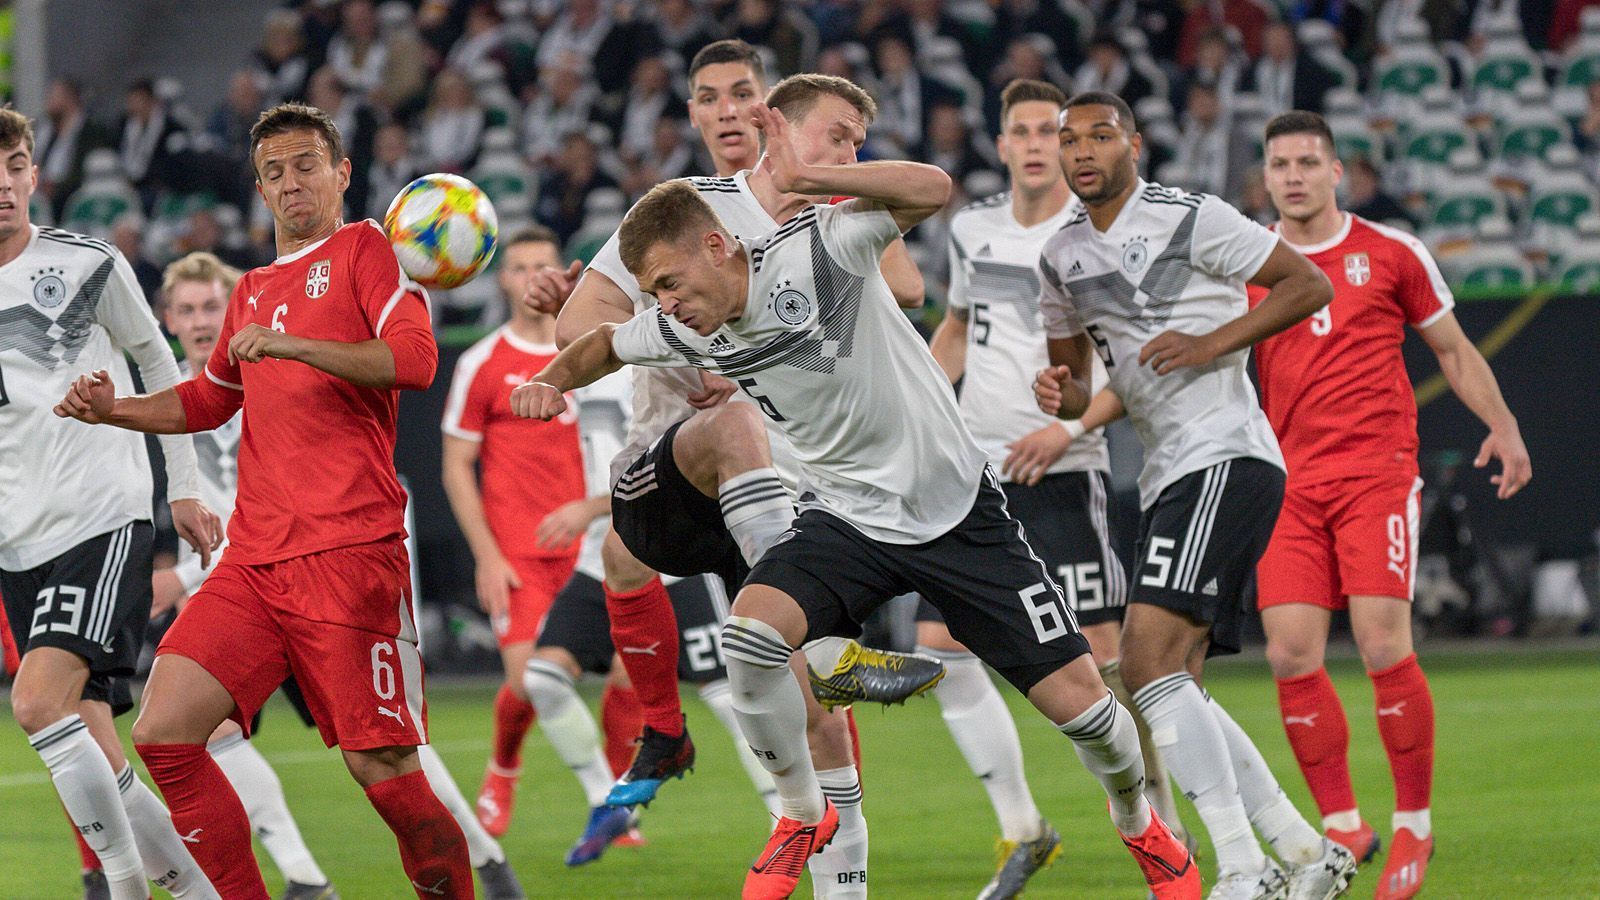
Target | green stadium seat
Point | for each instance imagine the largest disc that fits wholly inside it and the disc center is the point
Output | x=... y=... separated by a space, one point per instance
x=1408 y=71
x=1503 y=70
x=1532 y=139
x=1580 y=273
x=1464 y=208
x=1561 y=206
x=1434 y=144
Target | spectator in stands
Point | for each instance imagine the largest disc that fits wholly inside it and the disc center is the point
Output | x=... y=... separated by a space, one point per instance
x=1109 y=69
x=563 y=105
x=1351 y=21
x=925 y=20
x=1365 y=197
x=564 y=188
x=669 y=156
x=1216 y=65
x=632 y=116
x=282 y=58
x=483 y=41
x=681 y=26
x=355 y=53
x=1206 y=151
x=788 y=34
x=1030 y=56
x=906 y=100
x=1284 y=78
x=950 y=143
x=1247 y=17
x=407 y=64
x=127 y=234
x=452 y=126
x=233 y=118
x=204 y=232
x=1564 y=22
x=577 y=32
x=1018 y=18
x=147 y=150
x=64 y=135
x=392 y=169
x=1161 y=22
x=357 y=125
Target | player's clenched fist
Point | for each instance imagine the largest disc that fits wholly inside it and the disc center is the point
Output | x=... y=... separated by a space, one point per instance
x=254 y=342
x=537 y=400
x=1047 y=388
x=89 y=399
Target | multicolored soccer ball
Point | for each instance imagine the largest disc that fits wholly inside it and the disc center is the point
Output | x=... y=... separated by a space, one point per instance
x=443 y=229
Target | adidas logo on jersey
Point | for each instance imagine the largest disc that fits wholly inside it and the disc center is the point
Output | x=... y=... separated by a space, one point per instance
x=1210 y=590
x=1077 y=268
x=720 y=344
x=985 y=251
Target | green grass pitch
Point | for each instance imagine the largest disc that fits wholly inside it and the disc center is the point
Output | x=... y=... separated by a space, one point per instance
x=1515 y=795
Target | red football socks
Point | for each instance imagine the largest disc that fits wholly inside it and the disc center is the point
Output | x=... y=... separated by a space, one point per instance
x=645 y=632
x=1405 y=722
x=622 y=719
x=1314 y=720
x=432 y=847
x=207 y=815
x=513 y=716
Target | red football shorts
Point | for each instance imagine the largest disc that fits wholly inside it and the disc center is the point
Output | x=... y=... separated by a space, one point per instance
x=542 y=578
x=339 y=621
x=1337 y=539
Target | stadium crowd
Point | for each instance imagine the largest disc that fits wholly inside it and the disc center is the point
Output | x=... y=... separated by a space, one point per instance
x=1476 y=124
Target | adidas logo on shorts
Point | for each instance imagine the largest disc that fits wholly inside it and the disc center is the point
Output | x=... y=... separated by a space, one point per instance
x=1210 y=590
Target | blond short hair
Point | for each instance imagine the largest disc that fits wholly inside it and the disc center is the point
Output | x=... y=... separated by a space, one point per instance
x=201 y=267
x=672 y=212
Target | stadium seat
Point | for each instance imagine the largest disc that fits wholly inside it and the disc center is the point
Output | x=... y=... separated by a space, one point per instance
x=1492 y=262
x=1433 y=143
x=1402 y=75
x=104 y=196
x=1529 y=129
x=1503 y=68
x=1579 y=270
x=1464 y=206
x=500 y=171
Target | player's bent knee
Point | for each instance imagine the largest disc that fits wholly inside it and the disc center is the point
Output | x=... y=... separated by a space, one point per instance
x=370 y=767
x=1066 y=693
x=561 y=658
x=35 y=712
x=774 y=608
x=1291 y=659
x=936 y=636
x=624 y=574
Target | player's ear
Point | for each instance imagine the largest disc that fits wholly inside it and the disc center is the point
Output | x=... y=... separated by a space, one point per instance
x=342 y=174
x=1136 y=141
x=1338 y=172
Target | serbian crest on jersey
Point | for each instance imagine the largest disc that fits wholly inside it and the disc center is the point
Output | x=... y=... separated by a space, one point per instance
x=1357 y=269
x=318 y=277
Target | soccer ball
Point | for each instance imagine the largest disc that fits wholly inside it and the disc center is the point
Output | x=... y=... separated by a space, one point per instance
x=443 y=229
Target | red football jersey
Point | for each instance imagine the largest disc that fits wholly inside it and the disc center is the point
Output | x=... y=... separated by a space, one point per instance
x=528 y=467
x=1335 y=386
x=316 y=453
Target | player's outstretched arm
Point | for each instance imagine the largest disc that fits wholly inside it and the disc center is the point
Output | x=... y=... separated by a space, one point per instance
x=93 y=399
x=1296 y=289
x=911 y=191
x=1474 y=382
x=1062 y=390
x=371 y=363
x=595 y=301
x=585 y=361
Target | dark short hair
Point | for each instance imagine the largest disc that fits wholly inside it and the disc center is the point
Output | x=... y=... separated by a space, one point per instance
x=1025 y=90
x=1298 y=121
x=15 y=128
x=794 y=96
x=1106 y=98
x=533 y=234
x=731 y=50
x=286 y=117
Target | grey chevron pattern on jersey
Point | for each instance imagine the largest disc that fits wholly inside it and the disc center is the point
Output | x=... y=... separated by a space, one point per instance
x=1112 y=294
x=838 y=303
x=218 y=464
x=51 y=343
x=1000 y=282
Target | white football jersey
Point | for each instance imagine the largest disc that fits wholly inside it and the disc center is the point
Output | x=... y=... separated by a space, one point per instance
x=70 y=305
x=603 y=416
x=829 y=357
x=218 y=453
x=660 y=395
x=1171 y=260
x=994 y=276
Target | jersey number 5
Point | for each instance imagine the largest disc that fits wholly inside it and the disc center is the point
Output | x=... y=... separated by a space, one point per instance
x=1101 y=345
x=980 y=324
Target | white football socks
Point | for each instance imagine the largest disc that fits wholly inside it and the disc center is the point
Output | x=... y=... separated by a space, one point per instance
x=981 y=724
x=481 y=848
x=88 y=789
x=719 y=696
x=840 y=869
x=1419 y=821
x=1157 y=783
x=1292 y=838
x=757 y=509
x=569 y=726
x=261 y=793
x=1107 y=743
x=772 y=713
x=166 y=862
x=1196 y=753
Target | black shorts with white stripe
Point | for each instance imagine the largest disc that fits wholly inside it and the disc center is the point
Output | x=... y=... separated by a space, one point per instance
x=982 y=576
x=93 y=600
x=1200 y=541
x=667 y=524
x=1067 y=519
x=577 y=623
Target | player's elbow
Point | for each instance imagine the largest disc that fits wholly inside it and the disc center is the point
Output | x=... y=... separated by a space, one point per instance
x=416 y=361
x=1319 y=290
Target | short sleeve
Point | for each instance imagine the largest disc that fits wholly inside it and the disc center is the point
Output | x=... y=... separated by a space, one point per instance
x=1228 y=244
x=466 y=409
x=608 y=262
x=856 y=233
x=1061 y=319
x=960 y=278
x=1421 y=289
x=642 y=340
x=387 y=298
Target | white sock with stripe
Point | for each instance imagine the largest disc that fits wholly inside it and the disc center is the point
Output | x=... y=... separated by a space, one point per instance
x=772 y=713
x=569 y=726
x=757 y=509
x=261 y=793
x=1196 y=753
x=481 y=848
x=840 y=870
x=166 y=862
x=1281 y=825
x=88 y=789
x=1107 y=743
x=719 y=696
x=984 y=732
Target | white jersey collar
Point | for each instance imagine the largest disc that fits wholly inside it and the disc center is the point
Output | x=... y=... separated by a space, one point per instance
x=289 y=258
x=525 y=345
x=1325 y=246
